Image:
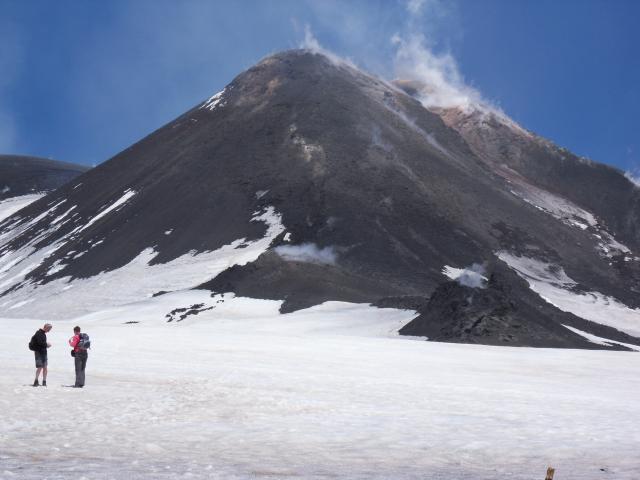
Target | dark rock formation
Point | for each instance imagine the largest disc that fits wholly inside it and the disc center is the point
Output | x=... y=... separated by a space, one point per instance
x=506 y=312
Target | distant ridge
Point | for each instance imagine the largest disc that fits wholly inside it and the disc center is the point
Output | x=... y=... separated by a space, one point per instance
x=22 y=175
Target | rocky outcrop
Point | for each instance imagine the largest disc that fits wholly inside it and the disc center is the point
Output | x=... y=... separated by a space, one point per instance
x=505 y=312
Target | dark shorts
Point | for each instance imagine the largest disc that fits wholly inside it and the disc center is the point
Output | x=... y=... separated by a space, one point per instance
x=41 y=359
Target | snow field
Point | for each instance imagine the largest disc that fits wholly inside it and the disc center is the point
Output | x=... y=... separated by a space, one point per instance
x=134 y=281
x=11 y=205
x=242 y=392
x=601 y=341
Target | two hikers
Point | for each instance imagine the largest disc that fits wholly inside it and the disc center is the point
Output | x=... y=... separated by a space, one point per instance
x=80 y=343
x=39 y=345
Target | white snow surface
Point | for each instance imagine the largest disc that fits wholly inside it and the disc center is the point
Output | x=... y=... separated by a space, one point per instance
x=600 y=340
x=570 y=214
x=11 y=205
x=119 y=203
x=16 y=265
x=241 y=392
x=553 y=284
x=135 y=281
x=214 y=101
x=556 y=206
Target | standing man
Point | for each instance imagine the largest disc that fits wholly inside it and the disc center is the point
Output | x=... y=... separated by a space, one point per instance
x=39 y=346
x=80 y=343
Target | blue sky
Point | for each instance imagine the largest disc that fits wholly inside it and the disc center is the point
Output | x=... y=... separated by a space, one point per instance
x=82 y=80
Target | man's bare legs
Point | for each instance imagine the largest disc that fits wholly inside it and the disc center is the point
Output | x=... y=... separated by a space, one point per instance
x=44 y=376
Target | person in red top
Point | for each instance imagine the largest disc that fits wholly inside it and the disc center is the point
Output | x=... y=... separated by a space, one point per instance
x=81 y=355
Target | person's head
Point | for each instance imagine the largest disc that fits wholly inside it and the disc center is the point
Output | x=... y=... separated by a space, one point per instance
x=76 y=330
x=47 y=327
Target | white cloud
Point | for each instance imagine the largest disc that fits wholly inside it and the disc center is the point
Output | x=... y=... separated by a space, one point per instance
x=310 y=42
x=308 y=252
x=473 y=276
x=412 y=53
x=438 y=76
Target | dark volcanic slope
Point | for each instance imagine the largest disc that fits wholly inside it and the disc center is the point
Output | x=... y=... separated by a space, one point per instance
x=20 y=175
x=348 y=161
x=505 y=312
x=512 y=152
x=376 y=193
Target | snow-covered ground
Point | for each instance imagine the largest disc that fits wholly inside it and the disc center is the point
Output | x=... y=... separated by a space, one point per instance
x=64 y=297
x=240 y=392
x=11 y=205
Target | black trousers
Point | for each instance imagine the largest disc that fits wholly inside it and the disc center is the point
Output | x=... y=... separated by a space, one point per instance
x=81 y=364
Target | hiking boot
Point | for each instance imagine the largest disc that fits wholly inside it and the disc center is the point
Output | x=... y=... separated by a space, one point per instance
x=44 y=383
x=35 y=383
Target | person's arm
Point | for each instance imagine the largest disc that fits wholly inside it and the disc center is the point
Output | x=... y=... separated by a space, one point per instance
x=73 y=341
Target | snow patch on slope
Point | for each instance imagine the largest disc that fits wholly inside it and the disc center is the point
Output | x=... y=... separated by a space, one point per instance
x=61 y=217
x=134 y=281
x=215 y=101
x=11 y=205
x=570 y=214
x=115 y=206
x=556 y=206
x=28 y=258
x=556 y=287
x=600 y=340
x=16 y=265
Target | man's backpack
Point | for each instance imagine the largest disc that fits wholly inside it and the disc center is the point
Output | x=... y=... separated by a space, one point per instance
x=84 y=342
x=32 y=344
